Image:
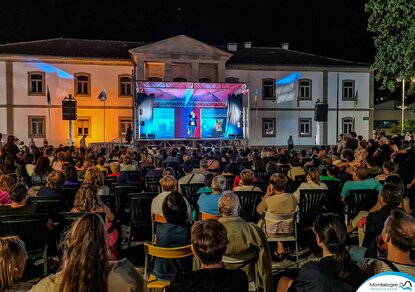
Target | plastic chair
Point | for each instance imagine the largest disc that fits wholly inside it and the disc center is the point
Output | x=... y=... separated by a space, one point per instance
x=293 y=237
x=205 y=216
x=311 y=205
x=249 y=201
x=140 y=215
x=121 y=191
x=359 y=200
x=229 y=181
x=133 y=175
x=156 y=219
x=284 y=168
x=47 y=205
x=69 y=193
x=165 y=253
x=32 y=230
x=189 y=192
x=235 y=262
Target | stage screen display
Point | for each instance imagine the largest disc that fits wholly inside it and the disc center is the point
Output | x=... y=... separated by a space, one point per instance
x=163 y=122
x=213 y=122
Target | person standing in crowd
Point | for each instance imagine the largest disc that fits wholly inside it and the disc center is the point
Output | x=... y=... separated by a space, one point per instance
x=290 y=143
x=82 y=142
x=129 y=134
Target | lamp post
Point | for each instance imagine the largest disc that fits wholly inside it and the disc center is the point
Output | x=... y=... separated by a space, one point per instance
x=403 y=107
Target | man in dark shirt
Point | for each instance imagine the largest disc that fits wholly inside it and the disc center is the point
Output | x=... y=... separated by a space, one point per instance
x=209 y=243
x=389 y=198
x=157 y=172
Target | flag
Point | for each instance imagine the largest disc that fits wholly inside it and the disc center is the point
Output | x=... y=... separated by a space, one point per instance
x=256 y=98
x=285 y=87
x=48 y=95
x=103 y=95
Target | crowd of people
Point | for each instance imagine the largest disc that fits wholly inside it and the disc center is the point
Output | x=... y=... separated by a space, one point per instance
x=89 y=253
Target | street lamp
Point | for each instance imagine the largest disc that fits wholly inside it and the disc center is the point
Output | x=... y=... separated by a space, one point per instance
x=402 y=107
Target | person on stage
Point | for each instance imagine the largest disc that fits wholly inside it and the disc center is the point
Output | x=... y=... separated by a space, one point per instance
x=192 y=125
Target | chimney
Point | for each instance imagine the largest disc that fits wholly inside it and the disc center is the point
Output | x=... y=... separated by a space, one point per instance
x=247 y=45
x=285 y=46
x=232 y=47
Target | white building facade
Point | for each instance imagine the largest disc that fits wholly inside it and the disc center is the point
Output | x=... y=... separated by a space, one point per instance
x=84 y=68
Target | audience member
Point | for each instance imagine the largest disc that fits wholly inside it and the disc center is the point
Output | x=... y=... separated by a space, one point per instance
x=18 y=196
x=246 y=241
x=360 y=182
x=41 y=171
x=6 y=184
x=313 y=183
x=208 y=183
x=94 y=176
x=295 y=168
x=209 y=244
x=71 y=177
x=189 y=177
x=208 y=203
x=54 y=184
x=86 y=266
x=246 y=183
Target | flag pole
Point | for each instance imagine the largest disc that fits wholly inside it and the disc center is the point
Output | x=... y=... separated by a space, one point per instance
x=49 y=117
x=104 y=123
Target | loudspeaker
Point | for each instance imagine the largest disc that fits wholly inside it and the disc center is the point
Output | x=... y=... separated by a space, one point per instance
x=143 y=136
x=151 y=136
x=320 y=112
x=69 y=110
x=142 y=123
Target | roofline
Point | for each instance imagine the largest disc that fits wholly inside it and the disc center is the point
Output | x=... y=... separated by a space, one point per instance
x=70 y=39
x=299 y=67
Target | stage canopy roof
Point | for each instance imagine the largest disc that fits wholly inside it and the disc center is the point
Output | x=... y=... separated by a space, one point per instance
x=189 y=94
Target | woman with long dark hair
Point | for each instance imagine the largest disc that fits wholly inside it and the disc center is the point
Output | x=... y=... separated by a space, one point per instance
x=86 y=266
x=335 y=270
x=41 y=172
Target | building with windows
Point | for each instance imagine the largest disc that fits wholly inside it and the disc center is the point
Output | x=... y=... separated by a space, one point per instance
x=84 y=68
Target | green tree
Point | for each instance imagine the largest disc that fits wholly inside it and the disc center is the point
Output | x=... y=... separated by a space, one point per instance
x=393 y=23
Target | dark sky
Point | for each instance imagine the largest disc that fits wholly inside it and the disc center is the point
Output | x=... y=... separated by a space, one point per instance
x=334 y=28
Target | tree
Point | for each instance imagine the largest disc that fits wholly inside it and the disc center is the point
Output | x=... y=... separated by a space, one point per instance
x=393 y=22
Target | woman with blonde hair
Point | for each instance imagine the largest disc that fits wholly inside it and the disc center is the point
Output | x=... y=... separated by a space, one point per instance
x=87 y=200
x=6 y=184
x=246 y=183
x=313 y=183
x=94 y=176
x=12 y=264
x=86 y=266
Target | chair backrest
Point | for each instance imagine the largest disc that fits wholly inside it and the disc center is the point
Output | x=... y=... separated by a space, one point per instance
x=47 y=205
x=229 y=181
x=260 y=174
x=133 y=175
x=153 y=186
x=359 y=200
x=249 y=201
x=121 y=191
x=168 y=253
x=30 y=228
x=205 y=216
x=301 y=178
x=280 y=217
x=311 y=205
x=293 y=186
x=174 y=165
x=108 y=200
x=284 y=168
x=69 y=193
x=189 y=191
x=110 y=181
x=140 y=204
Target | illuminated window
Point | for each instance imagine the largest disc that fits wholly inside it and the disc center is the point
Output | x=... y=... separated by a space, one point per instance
x=304 y=127
x=348 y=90
x=83 y=126
x=347 y=125
x=36 y=84
x=268 y=89
x=268 y=127
x=304 y=89
x=124 y=123
x=125 y=85
x=82 y=84
x=36 y=126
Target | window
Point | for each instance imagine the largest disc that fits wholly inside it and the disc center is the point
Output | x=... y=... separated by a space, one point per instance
x=83 y=126
x=268 y=127
x=180 y=79
x=347 y=125
x=36 y=84
x=124 y=85
x=304 y=127
x=304 y=89
x=385 y=124
x=348 y=90
x=268 y=89
x=36 y=126
x=82 y=84
x=124 y=123
x=231 y=80
x=205 y=80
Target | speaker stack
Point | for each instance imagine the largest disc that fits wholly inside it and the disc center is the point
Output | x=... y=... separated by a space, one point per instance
x=320 y=112
x=69 y=107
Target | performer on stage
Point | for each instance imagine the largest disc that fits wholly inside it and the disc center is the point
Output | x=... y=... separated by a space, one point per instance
x=191 y=126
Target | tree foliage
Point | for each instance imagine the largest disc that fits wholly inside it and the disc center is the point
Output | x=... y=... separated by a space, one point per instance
x=393 y=23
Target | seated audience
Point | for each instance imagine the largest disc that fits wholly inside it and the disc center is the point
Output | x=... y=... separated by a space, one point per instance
x=87 y=200
x=54 y=184
x=277 y=201
x=213 y=164
x=313 y=183
x=60 y=160
x=246 y=182
x=208 y=183
x=397 y=239
x=94 y=176
x=100 y=165
x=157 y=172
x=71 y=177
x=189 y=177
x=174 y=233
x=6 y=184
x=19 y=197
x=332 y=174
x=203 y=168
x=296 y=168
x=335 y=270
x=12 y=264
x=86 y=266
x=208 y=203
x=360 y=182
x=127 y=164
x=114 y=168
x=41 y=171
x=209 y=244
x=169 y=171
x=244 y=240
x=388 y=169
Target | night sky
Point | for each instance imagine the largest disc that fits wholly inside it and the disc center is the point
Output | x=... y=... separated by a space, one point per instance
x=335 y=28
